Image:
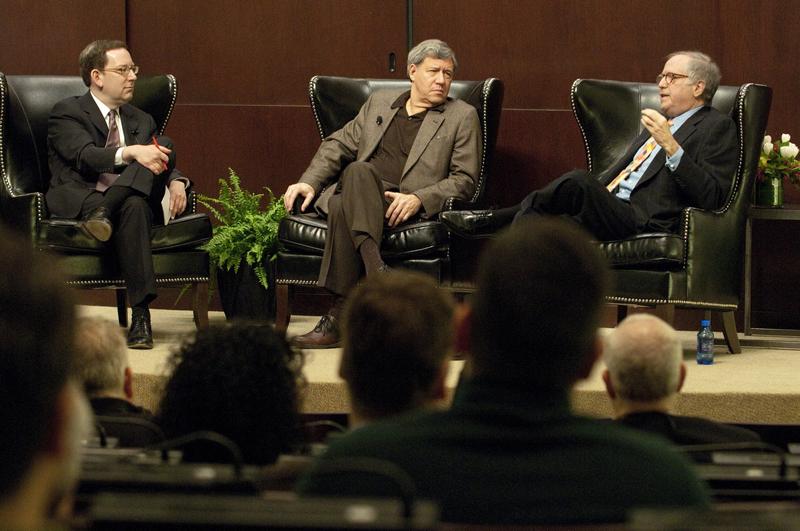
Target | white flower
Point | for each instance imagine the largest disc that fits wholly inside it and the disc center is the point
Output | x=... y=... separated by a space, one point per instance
x=785 y=137
x=768 y=146
x=768 y=139
x=790 y=151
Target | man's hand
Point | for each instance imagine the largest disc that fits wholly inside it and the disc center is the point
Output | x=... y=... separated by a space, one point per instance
x=152 y=157
x=403 y=206
x=658 y=126
x=177 y=198
x=298 y=189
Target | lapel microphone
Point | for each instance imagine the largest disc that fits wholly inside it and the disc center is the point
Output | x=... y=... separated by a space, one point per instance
x=379 y=120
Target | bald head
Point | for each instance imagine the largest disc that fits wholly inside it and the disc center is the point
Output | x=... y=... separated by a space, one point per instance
x=643 y=355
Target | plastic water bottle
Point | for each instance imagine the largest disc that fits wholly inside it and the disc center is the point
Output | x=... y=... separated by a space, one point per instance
x=705 y=343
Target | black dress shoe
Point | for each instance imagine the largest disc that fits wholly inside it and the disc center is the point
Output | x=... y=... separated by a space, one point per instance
x=471 y=223
x=140 y=336
x=97 y=224
x=325 y=335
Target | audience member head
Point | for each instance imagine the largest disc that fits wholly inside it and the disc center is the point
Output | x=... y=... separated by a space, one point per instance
x=398 y=335
x=240 y=380
x=94 y=57
x=43 y=416
x=701 y=67
x=101 y=362
x=644 y=365
x=536 y=311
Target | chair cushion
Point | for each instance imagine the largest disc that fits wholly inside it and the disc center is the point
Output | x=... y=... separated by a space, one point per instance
x=307 y=232
x=63 y=236
x=657 y=250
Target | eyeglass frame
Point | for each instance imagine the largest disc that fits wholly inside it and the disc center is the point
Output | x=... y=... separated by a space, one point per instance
x=670 y=77
x=124 y=70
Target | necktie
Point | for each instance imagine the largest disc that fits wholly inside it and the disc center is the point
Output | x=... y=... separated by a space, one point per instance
x=112 y=141
x=640 y=157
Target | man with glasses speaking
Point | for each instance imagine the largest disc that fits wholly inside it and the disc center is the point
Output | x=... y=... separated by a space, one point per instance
x=110 y=170
x=685 y=157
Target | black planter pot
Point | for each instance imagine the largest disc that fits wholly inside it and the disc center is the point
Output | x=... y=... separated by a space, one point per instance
x=243 y=297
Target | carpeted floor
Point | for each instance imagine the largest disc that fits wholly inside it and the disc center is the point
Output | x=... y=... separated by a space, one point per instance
x=759 y=386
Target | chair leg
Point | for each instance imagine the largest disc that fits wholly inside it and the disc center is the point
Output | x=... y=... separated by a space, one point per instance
x=122 y=307
x=729 y=331
x=622 y=312
x=200 y=305
x=666 y=312
x=283 y=310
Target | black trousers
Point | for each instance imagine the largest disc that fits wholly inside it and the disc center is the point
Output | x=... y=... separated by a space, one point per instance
x=585 y=200
x=355 y=212
x=133 y=219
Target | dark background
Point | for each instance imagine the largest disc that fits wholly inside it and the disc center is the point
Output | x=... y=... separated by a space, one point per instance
x=243 y=68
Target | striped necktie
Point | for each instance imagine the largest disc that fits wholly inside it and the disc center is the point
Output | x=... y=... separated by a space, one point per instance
x=112 y=141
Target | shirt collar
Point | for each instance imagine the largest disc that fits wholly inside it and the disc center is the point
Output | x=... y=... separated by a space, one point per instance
x=104 y=109
x=681 y=119
x=403 y=98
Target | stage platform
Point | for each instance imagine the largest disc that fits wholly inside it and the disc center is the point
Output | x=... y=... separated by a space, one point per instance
x=758 y=386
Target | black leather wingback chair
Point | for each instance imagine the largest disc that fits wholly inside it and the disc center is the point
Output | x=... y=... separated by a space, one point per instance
x=423 y=245
x=25 y=104
x=700 y=266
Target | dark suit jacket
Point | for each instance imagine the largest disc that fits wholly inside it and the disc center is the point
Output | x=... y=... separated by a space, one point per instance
x=76 y=138
x=505 y=454
x=702 y=179
x=687 y=430
x=444 y=160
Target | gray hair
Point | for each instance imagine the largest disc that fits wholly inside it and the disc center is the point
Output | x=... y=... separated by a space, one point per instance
x=643 y=355
x=102 y=355
x=702 y=68
x=432 y=48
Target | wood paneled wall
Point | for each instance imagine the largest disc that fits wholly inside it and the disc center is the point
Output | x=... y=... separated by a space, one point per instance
x=243 y=67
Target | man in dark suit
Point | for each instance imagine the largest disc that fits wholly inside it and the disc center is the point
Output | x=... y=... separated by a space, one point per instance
x=509 y=450
x=643 y=376
x=110 y=170
x=689 y=163
x=399 y=158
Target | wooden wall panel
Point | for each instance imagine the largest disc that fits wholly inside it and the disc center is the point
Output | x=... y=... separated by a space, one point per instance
x=266 y=145
x=46 y=36
x=264 y=51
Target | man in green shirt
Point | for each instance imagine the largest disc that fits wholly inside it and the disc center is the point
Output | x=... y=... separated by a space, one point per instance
x=509 y=450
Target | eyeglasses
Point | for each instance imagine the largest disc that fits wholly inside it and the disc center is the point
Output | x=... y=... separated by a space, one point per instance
x=123 y=70
x=670 y=77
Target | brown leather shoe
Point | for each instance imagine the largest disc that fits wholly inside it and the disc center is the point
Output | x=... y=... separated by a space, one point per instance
x=97 y=225
x=325 y=335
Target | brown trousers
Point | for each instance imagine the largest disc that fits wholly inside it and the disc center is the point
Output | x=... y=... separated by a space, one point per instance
x=355 y=212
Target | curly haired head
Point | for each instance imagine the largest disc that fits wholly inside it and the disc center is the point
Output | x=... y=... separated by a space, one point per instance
x=240 y=380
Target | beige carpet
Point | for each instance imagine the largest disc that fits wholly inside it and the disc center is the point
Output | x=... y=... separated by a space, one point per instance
x=758 y=386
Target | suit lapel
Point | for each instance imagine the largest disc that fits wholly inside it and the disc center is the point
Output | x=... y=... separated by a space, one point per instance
x=430 y=125
x=680 y=135
x=131 y=126
x=376 y=139
x=87 y=104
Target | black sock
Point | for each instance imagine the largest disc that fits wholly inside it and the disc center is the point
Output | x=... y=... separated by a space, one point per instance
x=371 y=256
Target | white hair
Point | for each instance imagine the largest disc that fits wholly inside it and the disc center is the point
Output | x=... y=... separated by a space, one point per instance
x=643 y=355
x=101 y=355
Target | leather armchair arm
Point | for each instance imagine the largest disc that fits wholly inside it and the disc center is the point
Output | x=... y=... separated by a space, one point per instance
x=23 y=212
x=456 y=203
x=713 y=233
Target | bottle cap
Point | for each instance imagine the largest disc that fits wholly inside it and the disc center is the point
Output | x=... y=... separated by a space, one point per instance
x=705 y=322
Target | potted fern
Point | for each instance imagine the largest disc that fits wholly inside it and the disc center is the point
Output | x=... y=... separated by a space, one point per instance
x=244 y=243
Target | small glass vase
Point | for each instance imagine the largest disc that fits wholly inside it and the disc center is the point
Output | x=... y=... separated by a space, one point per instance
x=769 y=192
